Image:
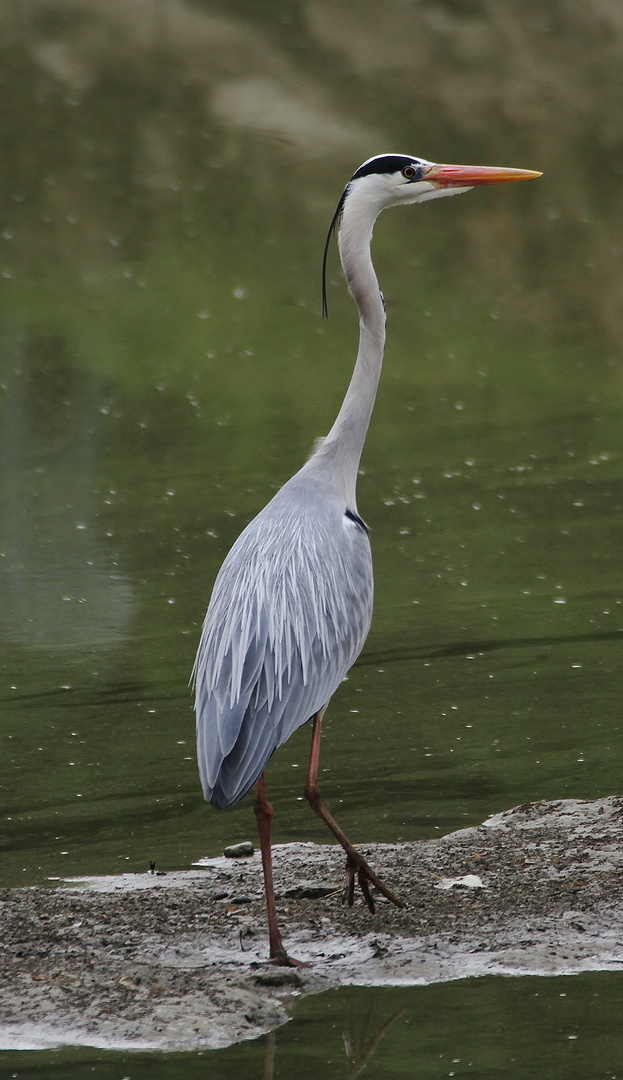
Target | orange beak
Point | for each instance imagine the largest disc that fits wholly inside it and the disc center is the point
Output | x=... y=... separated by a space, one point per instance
x=444 y=176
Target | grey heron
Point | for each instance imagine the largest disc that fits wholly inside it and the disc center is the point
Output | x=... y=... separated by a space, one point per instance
x=292 y=602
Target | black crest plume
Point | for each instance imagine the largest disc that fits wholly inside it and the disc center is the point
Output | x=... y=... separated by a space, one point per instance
x=383 y=164
x=336 y=218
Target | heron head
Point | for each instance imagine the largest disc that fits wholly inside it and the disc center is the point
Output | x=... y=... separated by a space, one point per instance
x=397 y=179
x=400 y=179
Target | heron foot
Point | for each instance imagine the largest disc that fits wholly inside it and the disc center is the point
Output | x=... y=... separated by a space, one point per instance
x=280 y=958
x=357 y=868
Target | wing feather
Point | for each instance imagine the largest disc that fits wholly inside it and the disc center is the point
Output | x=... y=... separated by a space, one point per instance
x=289 y=614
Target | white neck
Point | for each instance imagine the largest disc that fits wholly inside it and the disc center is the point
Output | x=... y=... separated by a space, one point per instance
x=337 y=458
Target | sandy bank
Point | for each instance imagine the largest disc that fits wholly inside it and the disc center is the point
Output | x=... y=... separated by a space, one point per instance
x=178 y=961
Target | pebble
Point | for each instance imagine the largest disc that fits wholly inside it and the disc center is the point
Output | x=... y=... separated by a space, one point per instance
x=310 y=892
x=239 y=851
x=279 y=977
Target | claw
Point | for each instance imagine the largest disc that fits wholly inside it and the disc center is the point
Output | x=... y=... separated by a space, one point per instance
x=348 y=892
x=280 y=958
x=356 y=864
x=365 y=888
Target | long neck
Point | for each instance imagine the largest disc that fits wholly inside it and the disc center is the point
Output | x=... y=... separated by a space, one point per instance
x=339 y=454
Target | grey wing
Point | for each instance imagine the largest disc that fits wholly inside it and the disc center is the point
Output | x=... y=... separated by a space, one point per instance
x=289 y=615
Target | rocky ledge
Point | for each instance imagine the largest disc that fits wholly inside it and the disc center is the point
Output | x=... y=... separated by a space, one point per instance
x=178 y=960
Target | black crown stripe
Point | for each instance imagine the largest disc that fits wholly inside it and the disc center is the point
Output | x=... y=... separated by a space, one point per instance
x=388 y=163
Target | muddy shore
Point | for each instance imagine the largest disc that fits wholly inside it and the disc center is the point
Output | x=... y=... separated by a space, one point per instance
x=178 y=960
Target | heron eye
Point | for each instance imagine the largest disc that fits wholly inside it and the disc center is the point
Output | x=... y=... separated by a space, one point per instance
x=408 y=172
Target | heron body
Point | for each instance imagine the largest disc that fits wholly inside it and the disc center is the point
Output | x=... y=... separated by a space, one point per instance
x=292 y=603
x=289 y=615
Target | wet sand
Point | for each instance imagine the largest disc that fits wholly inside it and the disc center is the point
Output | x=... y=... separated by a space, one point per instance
x=178 y=960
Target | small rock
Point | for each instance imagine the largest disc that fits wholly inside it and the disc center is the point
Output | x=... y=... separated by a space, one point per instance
x=310 y=892
x=239 y=851
x=279 y=977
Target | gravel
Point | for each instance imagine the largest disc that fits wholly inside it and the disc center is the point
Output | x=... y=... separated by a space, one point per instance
x=178 y=960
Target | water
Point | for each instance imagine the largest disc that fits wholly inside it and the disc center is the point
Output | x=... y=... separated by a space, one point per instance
x=546 y=1028
x=164 y=367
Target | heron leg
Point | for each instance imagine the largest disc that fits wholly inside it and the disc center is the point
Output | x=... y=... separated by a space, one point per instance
x=264 y=815
x=356 y=865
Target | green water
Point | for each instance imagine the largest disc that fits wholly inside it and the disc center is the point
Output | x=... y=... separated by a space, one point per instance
x=166 y=188
x=559 y=1029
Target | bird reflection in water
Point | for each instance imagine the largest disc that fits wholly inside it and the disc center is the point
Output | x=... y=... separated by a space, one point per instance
x=360 y=1042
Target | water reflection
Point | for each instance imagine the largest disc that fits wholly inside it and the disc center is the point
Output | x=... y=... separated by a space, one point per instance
x=59 y=586
x=362 y=1033
x=482 y=646
x=363 y=1036
x=168 y=96
x=563 y=1026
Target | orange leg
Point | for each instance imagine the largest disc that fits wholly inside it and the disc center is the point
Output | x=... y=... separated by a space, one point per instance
x=356 y=865
x=264 y=815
